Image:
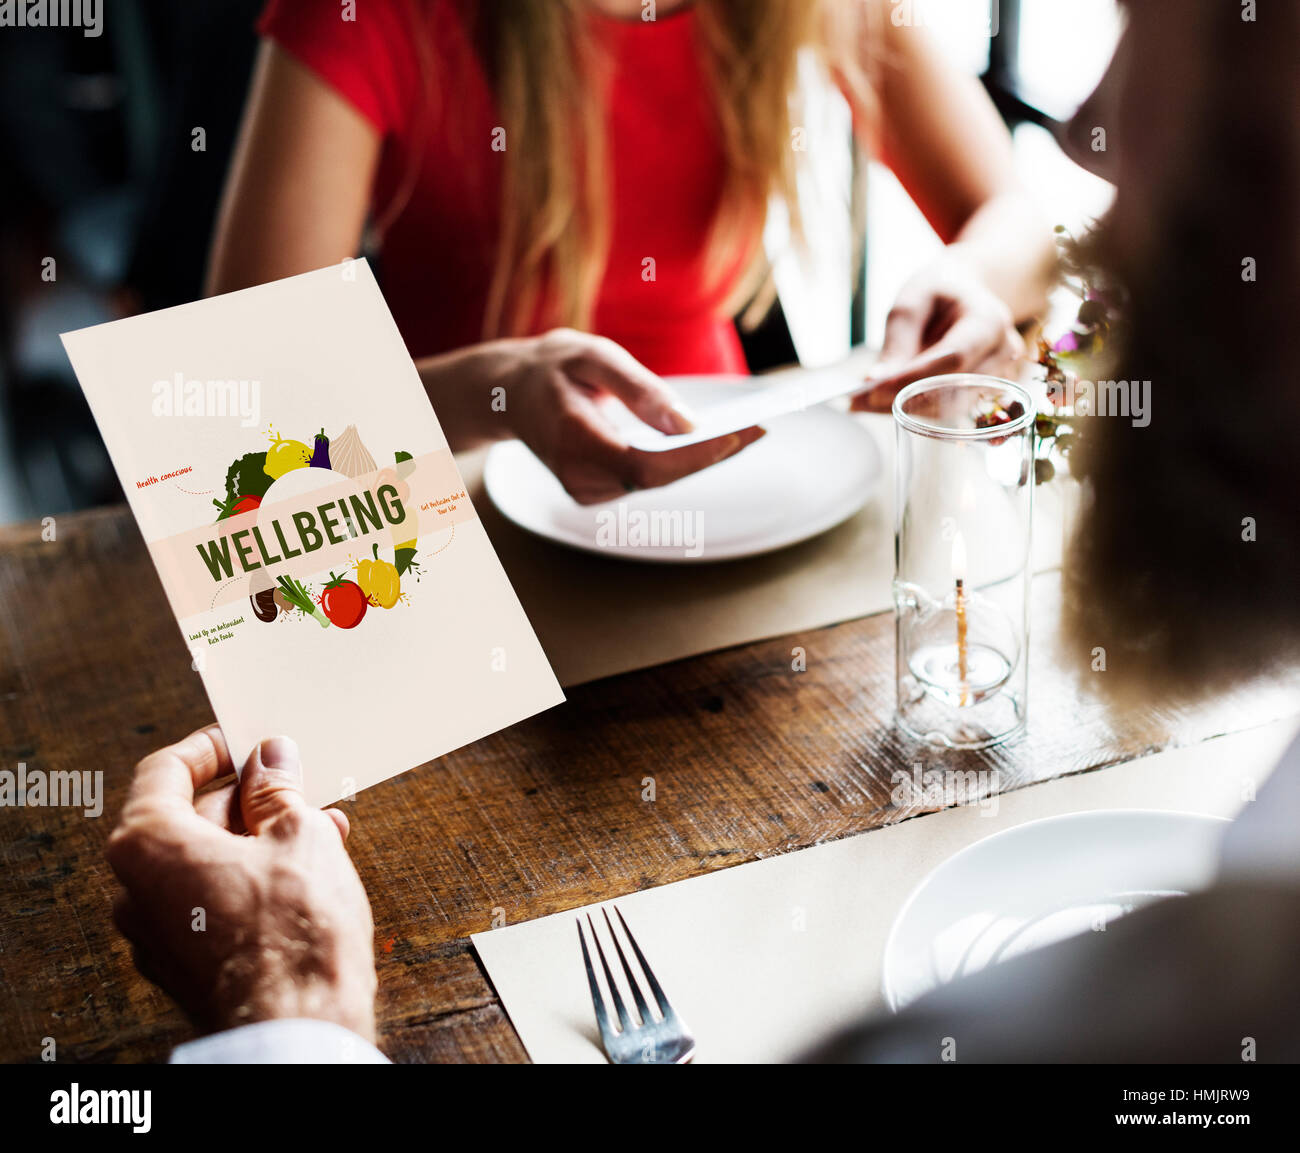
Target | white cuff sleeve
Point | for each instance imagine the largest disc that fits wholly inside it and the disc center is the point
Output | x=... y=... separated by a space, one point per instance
x=293 y=1041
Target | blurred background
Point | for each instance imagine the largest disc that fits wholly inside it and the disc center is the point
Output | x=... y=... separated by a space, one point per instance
x=108 y=208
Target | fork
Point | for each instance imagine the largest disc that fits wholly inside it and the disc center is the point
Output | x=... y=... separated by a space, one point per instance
x=665 y=1041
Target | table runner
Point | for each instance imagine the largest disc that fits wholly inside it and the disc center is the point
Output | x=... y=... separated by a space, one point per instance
x=763 y=959
x=598 y=616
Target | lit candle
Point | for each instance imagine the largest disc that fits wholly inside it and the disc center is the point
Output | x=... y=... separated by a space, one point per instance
x=959 y=578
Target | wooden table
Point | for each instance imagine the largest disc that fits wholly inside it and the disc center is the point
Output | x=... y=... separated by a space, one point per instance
x=749 y=759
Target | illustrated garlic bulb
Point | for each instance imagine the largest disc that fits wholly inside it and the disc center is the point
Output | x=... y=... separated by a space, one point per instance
x=348 y=455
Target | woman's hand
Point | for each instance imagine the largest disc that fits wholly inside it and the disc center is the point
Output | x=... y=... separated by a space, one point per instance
x=242 y=903
x=553 y=384
x=944 y=320
x=546 y=390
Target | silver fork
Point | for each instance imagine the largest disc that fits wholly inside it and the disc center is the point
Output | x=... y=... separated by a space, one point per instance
x=665 y=1041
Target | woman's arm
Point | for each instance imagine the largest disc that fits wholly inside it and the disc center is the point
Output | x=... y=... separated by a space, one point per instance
x=296 y=200
x=299 y=185
x=940 y=134
x=943 y=138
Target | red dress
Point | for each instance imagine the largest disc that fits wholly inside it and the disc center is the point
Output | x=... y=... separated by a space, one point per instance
x=665 y=158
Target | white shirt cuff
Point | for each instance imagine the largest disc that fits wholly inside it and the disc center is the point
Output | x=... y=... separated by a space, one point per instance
x=292 y=1041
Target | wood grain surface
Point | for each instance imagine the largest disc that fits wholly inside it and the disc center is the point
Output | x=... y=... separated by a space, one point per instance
x=749 y=758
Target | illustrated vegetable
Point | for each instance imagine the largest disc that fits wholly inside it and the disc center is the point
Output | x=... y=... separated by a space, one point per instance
x=247 y=477
x=242 y=504
x=379 y=581
x=285 y=456
x=264 y=606
x=344 y=602
x=404 y=550
x=320 y=457
x=393 y=477
x=405 y=561
x=350 y=456
x=406 y=532
x=301 y=599
x=261 y=595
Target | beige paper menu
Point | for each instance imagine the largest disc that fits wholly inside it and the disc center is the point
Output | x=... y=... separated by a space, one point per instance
x=311 y=528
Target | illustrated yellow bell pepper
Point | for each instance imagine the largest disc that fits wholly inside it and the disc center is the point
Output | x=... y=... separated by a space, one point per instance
x=379 y=581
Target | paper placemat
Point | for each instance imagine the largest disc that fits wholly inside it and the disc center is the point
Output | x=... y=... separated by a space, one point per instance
x=765 y=959
x=597 y=616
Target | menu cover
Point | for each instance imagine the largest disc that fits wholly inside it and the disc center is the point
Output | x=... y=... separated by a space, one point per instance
x=310 y=527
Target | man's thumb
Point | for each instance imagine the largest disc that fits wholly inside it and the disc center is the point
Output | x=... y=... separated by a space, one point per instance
x=271 y=783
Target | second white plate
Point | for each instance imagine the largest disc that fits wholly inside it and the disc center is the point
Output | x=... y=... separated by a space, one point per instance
x=813 y=470
x=1039 y=883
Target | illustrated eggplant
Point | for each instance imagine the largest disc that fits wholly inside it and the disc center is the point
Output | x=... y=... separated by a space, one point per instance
x=320 y=457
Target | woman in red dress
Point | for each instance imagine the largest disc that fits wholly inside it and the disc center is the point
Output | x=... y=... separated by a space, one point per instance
x=567 y=197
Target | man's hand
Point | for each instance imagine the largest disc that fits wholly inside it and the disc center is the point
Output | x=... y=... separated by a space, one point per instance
x=242 y=903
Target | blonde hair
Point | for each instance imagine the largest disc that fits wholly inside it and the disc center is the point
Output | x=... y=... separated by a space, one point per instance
x=550 y=81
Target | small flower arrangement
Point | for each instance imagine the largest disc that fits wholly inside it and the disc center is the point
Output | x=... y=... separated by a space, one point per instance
x=1059 y=429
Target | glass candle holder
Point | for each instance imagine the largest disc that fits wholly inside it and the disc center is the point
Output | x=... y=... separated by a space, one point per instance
x=962 y=529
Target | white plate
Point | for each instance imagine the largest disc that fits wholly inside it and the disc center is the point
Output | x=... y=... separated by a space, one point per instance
x=1039 y=883
x=813 y=470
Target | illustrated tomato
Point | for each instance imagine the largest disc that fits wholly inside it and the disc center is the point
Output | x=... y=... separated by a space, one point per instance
x=343 y=602
x=243 y=504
